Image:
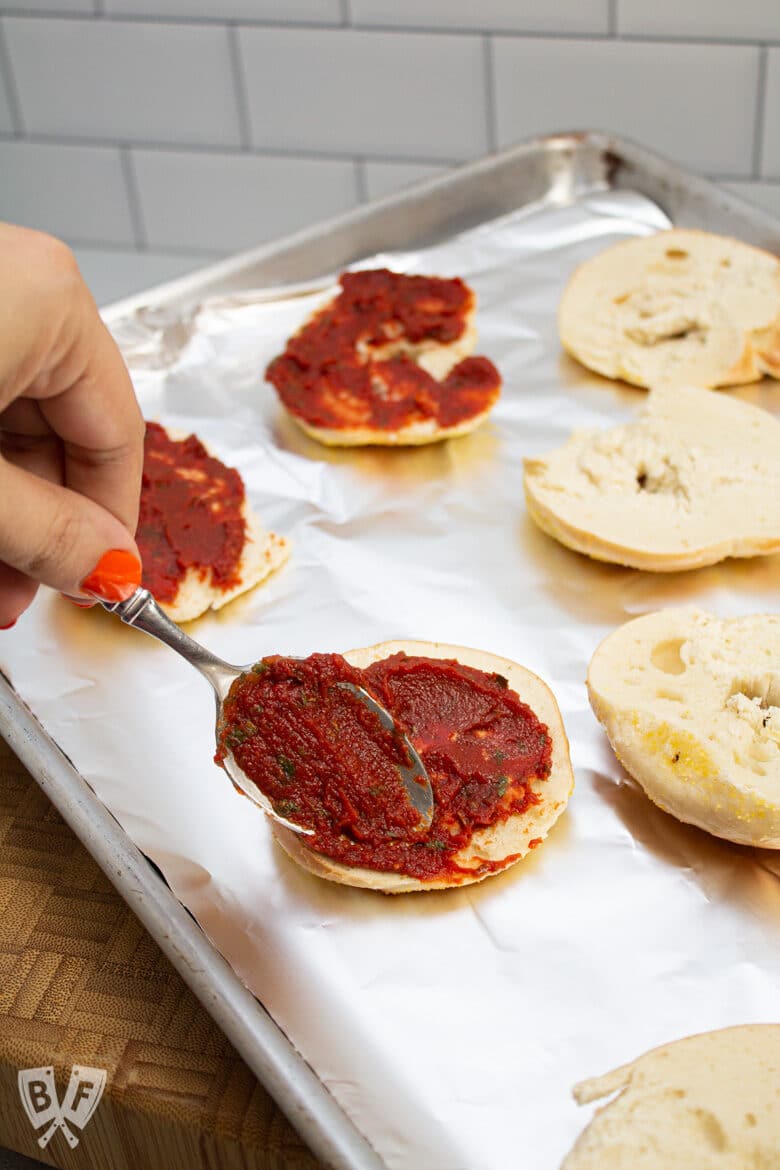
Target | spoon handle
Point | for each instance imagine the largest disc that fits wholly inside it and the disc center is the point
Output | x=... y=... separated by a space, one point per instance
x=143 y=612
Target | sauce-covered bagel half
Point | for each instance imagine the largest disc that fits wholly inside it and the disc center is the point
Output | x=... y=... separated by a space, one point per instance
x=200 y=544
x=691 y=706
x=387 y=362
x=489 y=733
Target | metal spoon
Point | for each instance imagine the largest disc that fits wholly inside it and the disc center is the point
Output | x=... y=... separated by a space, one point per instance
x=143 y=612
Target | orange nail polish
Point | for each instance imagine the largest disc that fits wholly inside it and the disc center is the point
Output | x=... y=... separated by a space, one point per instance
x=10 y=624
x=115 y=577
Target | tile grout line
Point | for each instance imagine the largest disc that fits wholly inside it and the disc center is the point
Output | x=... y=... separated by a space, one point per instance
x=201 y=148
x=573 y=35
x=8 y=83
x=239 y=87
x=196 y=150
x=760 y=113
x=743 y=178
x=168 y=251
x=60 y=15
x=490 y=94
x=133 y=199
x=426 y=30
x=361 y=180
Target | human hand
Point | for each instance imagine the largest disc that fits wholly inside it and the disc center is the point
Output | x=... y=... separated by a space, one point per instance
x=71 y=434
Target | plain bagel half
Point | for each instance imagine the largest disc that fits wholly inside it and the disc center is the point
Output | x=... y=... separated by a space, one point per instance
x=707 y=1102
x=694 y=478
x=679 y=306
x=691 y=706
x=511 y=839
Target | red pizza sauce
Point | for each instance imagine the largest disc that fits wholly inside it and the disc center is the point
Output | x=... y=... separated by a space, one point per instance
x=190 y=517
x=331 y=376
x=327 y=764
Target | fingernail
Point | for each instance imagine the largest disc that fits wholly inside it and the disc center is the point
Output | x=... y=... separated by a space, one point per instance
x=10 y=624
x=115 y=577
x=79 y=601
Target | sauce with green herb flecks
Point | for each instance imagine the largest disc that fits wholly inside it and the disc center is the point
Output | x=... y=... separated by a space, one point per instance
x=326 y=762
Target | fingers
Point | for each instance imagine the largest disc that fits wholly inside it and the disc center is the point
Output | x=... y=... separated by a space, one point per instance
x=56 y=351
x=16 y=593
x=63 y=539
x=98 y=419
x=68 y=416
x=27 y=440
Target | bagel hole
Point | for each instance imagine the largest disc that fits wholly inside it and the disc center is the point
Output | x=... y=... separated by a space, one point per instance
x=765 y=689
x=667 y=658
x=692 y=331
x=676 y=254
x=663 y=478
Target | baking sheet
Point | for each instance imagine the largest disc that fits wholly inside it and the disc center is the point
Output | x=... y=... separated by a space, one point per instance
x=449 y=1026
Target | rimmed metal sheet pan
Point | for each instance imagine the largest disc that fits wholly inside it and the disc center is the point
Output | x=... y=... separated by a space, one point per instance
x=554 y=172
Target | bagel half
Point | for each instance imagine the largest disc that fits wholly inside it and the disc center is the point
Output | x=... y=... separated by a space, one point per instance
x=691 y=706
x=340 y=378
x=261 y=553
x=694 y=479
x=708 y=1102
x=680 y=306
x=511 y=839
x=416 y=434
x=437 y=360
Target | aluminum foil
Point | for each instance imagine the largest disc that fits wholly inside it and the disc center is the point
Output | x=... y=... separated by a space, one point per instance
x=449 y=1026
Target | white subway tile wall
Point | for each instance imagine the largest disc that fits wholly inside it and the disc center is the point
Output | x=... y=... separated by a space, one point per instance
x=186 y=128
x=770 y=154
x=763 y=195
x=746 y=20
x=84 y=7
x=571 y=16
x=385 y=178
x=415 y=94
x=225 y=202
x=124 y=81
x=113 y=273
x=695 y=103
x=314 y=11
x=77 y=192
x=6 y=118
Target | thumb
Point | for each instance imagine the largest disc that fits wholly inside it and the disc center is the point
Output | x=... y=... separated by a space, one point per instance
x=64 y=539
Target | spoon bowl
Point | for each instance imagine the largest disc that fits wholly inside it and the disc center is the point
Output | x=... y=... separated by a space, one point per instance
x=143 y=612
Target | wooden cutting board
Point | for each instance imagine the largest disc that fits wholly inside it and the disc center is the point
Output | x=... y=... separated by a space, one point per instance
x=82 y=983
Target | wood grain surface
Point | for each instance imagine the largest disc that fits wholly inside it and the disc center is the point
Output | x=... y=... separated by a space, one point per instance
x=81 y=982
